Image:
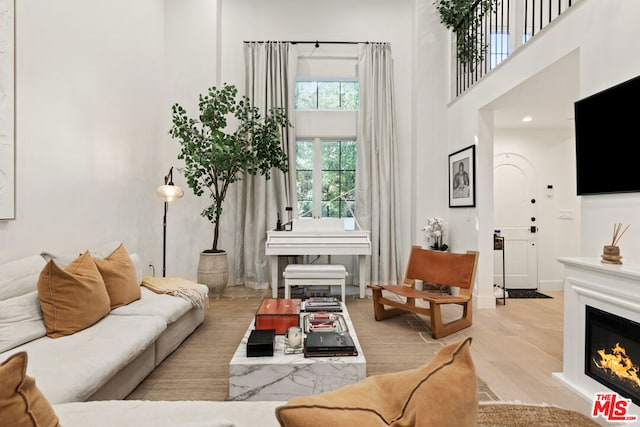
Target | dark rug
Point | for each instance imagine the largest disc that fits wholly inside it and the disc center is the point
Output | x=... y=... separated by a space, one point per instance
x=525 y=293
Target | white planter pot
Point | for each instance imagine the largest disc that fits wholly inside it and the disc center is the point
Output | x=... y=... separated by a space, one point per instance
x=213 y=271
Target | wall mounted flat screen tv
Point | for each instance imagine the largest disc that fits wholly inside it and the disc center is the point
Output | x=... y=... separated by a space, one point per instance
x=607 y=132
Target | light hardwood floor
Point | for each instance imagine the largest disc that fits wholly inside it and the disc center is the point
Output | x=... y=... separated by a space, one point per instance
x=518 y=346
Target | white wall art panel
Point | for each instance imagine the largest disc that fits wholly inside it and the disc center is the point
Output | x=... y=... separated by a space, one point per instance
x=7 y=110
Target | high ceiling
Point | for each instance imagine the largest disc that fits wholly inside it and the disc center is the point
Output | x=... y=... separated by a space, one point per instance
x=547 y=98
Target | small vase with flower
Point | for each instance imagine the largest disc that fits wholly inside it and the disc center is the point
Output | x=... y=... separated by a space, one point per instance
x=435 y=231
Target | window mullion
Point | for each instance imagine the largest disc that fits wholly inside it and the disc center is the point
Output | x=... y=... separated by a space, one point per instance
x=317 y=178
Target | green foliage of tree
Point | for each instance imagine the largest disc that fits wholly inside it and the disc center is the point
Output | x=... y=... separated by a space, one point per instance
x=305 y=185
x=464 y=17
x=331 y=155
x=348 y=154
x=337 y=163
x=338 y=175
x=328 y=95
x=216 y=157
x=350 y=95
x=306 y=207
x=323 y=95
x=304 y=155
x=306 y=96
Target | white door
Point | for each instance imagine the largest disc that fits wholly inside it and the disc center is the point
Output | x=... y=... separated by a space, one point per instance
x=515 y=215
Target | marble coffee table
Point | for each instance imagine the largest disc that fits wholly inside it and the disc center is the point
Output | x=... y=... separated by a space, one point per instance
x=285 y=376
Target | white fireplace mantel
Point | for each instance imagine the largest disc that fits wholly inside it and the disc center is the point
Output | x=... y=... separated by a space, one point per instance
x=609 y=287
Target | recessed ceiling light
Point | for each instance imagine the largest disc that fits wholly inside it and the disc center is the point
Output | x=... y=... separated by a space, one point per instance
x=526 y=119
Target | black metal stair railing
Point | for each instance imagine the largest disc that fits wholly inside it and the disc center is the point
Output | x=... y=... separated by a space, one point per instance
x=493 y=29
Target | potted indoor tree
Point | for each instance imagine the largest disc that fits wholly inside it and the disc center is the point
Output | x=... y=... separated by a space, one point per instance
x=227 y=140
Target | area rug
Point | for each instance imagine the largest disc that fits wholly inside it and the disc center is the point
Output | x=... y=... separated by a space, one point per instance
x=199 y=368
x=525 y=293
x=505 y=414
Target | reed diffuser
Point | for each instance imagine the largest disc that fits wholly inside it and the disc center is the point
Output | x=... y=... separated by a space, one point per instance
x=611 y=253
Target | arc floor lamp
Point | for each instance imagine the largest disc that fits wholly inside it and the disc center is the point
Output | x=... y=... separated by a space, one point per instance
x=167 y=192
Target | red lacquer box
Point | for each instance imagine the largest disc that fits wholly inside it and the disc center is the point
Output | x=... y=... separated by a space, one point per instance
x=278 y=314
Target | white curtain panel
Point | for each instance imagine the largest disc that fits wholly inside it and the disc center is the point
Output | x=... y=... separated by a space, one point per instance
x=377 y=188
x=270 y=76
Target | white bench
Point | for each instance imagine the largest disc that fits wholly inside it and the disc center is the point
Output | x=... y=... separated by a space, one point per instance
x=314 y=275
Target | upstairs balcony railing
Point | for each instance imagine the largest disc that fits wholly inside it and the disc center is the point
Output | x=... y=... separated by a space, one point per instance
x=493 y=29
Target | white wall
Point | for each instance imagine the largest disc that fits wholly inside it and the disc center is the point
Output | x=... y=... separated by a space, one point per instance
x=605 y=59
x=191 y=62
x=439 y=133
x=605 y=64
x=88 y=79
x=431 y=94
x=551 y=153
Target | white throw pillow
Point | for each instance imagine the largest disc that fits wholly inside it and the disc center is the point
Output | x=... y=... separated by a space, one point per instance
x=135 y=259
x=103 y=250
x=20 y=321
x=20 y=277
x=59 y=259
x=99 y=251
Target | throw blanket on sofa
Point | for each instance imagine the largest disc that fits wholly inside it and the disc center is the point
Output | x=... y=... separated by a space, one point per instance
x=193 y=292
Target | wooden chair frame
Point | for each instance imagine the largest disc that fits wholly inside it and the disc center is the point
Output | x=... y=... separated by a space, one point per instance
x=442 y=268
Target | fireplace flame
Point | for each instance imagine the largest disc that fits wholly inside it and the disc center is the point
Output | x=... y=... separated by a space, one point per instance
x=618 y=364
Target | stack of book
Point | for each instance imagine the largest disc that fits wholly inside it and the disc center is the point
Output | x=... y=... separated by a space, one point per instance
x=315 y=304
x=329 y=344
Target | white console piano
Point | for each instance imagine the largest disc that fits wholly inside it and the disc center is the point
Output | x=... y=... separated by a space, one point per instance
x=317 y=237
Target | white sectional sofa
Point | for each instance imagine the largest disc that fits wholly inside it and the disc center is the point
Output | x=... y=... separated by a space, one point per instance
x=168 y=414
x=104 y=361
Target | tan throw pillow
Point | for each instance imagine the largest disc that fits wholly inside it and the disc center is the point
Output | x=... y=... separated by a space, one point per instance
x=443 y=392
x=72 y=298
x=21 y=402
x=120 y=277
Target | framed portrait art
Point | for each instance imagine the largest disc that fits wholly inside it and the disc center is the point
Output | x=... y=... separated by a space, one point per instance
x=462 y=178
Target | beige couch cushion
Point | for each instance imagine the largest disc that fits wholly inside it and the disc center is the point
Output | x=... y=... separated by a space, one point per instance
x=147 y=413
x=21 y=403
x=119 y=275
x=20 y=321
x=72 y=298
x=20 y=277
x=443 y=392
x=166 y=307
x=75 y=367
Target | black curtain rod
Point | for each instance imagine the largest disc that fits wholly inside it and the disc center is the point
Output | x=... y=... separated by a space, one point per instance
x=317 y=42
